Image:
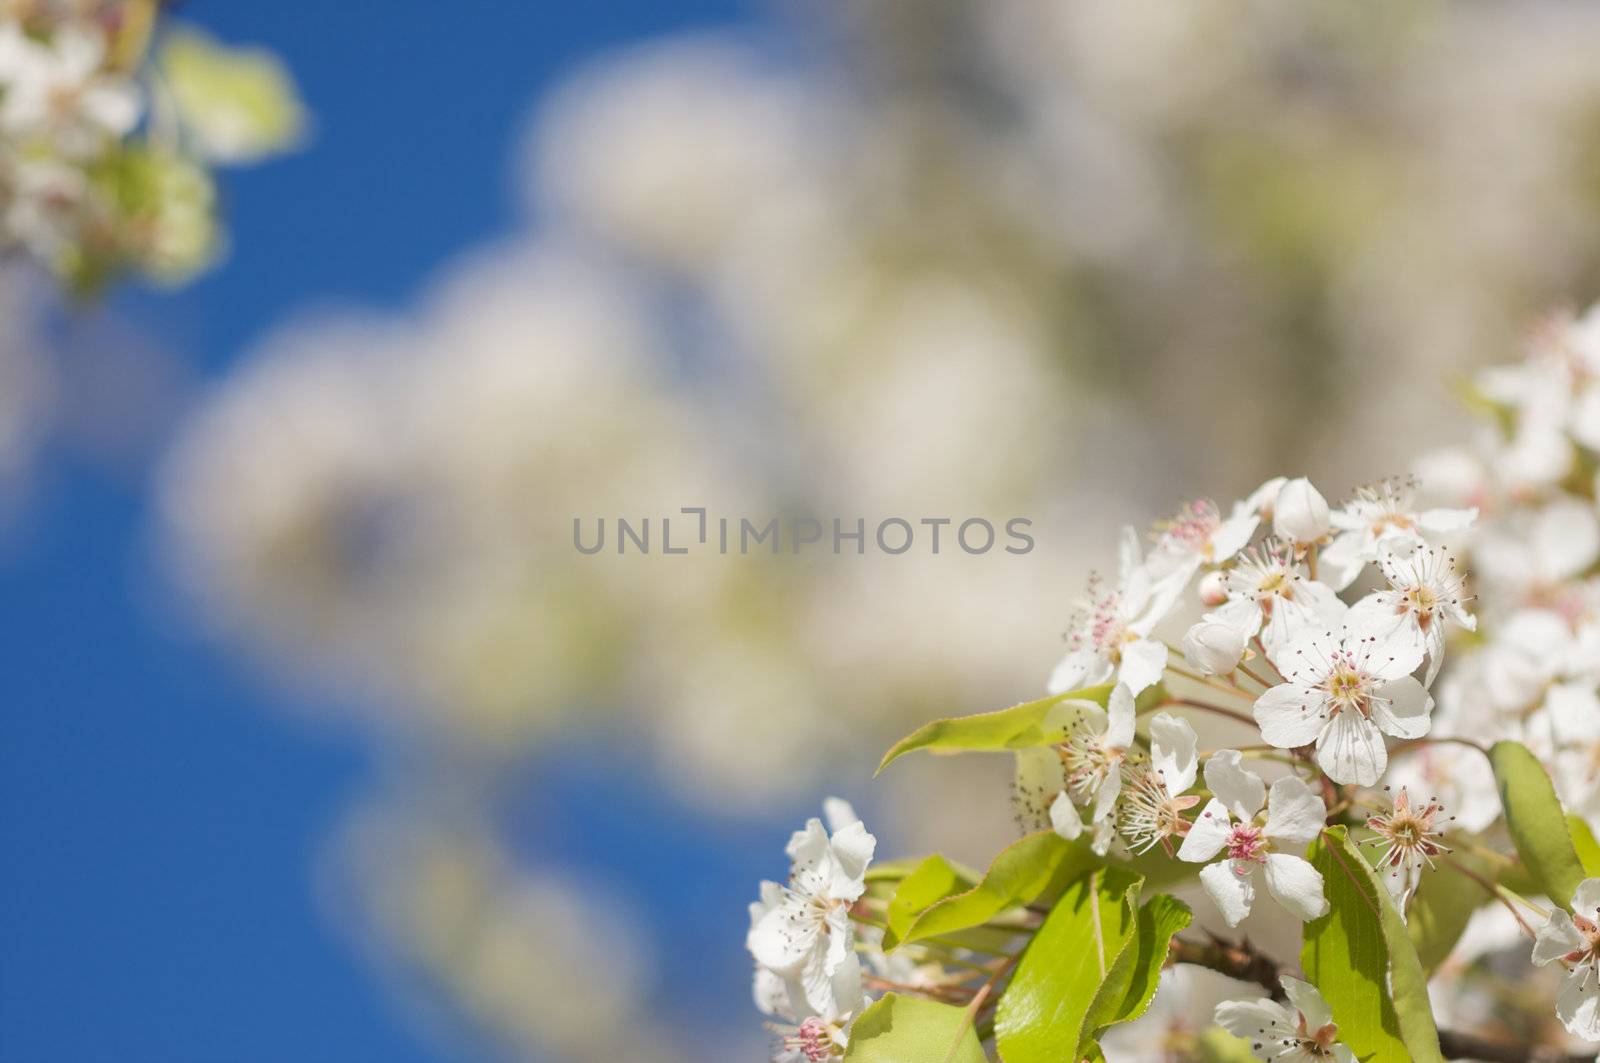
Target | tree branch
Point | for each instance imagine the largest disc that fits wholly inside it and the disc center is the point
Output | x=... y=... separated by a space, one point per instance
x=1456 y=1045
x=1242 y=960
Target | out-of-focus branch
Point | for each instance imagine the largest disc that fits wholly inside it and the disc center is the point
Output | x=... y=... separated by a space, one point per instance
x=1236 y=959
x=1242 y=960
x=1456 y=1045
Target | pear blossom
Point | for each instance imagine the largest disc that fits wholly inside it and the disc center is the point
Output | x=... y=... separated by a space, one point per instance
x=1574 y=942
x=1232 y=824
x=1425 y=592
x=803 y=931
x=1300 y=515
x=805 y=1036
x=1301 y=1031
x=1086 y=769
x=1269 y=593
x=1379 y=513
x=1111 y=638
x=1345 y=692
x=1156 y=793
x=62 y=91
x=1409 y=838
x=1199 y=535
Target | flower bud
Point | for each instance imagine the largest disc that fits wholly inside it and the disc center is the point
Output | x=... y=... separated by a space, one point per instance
x=1213 y=589
x=1214 y=648
x=1301 y=513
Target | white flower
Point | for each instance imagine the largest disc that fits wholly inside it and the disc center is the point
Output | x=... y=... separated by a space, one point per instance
x=1345 y=694
x=1268 y=592
x=1574 y=941
x=1409 y=837
x=806 y=936
x=1199 y=535
x=60 y=90
x=1424 y=592
x=1300 y=514
x=1301 y=1031
x=1155 y=793
x=1086 y=769
x=1378 y=514
x=1231 y=824
x=1214 y=648
x=1112 y=637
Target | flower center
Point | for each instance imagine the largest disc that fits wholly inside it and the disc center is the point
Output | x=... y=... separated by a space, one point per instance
x=1194 y=525
x=1589 y=952
x=1246 y=843
x=813 y=1040
x=1348 y=688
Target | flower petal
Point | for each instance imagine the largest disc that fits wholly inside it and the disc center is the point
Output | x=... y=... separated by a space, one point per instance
x=1208 y=834
x=1120 y=714
x=1305 y=999
x=1241 y=791
x=1263 y=1022
x=1231 y=888
x=1291 y=715
x=1297 y=885
x=1064 y=818
x=1295 y=815
x=1578 y=1005
x=1143 y=661
x=1556 y=938
x=1172 y=751
x=1403 y=708
x=1351 y=750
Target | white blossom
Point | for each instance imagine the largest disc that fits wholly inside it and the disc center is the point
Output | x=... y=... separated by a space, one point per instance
x=1425 y=592
x=1301 y=1031
x=1269 y=593
x=1231 y=824
x=1345 y=693
x=1380 y=513
x=1112 y=637
x=805 y=934
x=1574 y=942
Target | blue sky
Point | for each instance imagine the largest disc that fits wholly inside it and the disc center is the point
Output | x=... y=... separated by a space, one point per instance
x=159 y=818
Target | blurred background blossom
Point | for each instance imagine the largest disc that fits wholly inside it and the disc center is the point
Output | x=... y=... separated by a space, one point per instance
x=947 y=259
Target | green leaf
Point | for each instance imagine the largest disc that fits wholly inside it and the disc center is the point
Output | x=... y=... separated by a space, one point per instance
x=1444 y=902
x=900 y=1029
x=1042 y=1016
x=1536 y=820
x=1034 y=723
x=1022 y=873
x=1126 y=992
x=933 y=880
x=1361 y=958
x=1585 y=846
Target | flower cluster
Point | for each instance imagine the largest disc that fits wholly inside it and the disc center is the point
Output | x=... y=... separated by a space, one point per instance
x=1328 y=681
x=1345 y=642
x=808 y=975
x=104 y=152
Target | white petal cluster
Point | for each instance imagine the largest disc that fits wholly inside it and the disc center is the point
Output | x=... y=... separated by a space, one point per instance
x=1232 y=826
x=808 y=974
x=1300 y=1031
